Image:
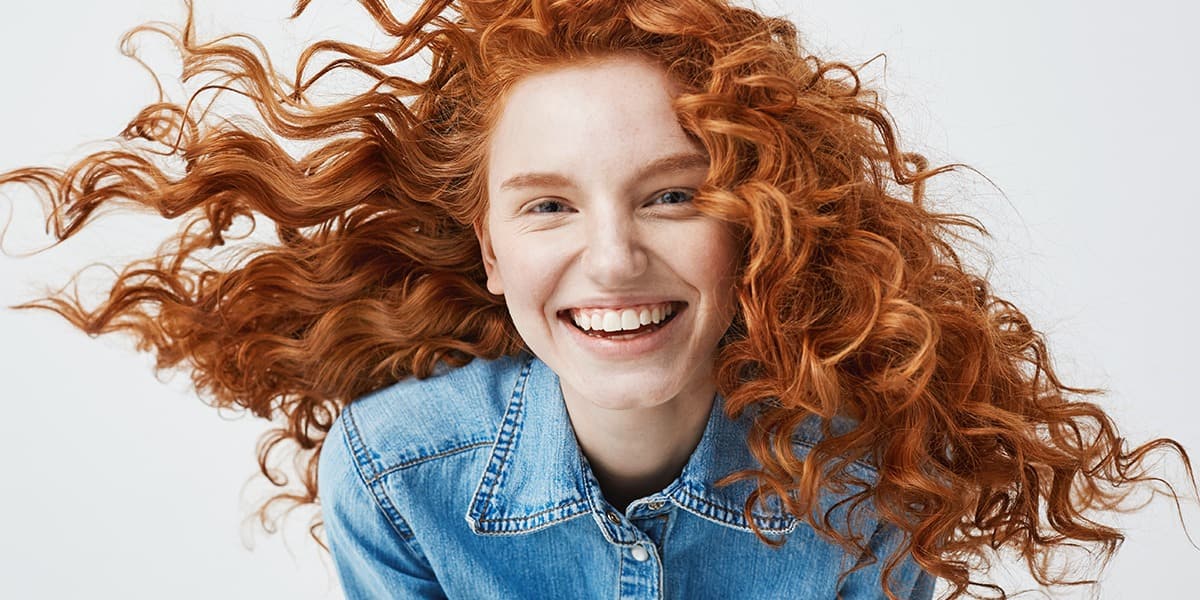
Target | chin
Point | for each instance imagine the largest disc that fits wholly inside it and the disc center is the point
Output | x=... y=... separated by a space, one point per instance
x=611 y=393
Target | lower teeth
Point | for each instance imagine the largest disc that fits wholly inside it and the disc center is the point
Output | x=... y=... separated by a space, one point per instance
x=623 y=332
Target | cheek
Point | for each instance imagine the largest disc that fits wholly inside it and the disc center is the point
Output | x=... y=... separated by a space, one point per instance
x=710 y=254
x=528 y=276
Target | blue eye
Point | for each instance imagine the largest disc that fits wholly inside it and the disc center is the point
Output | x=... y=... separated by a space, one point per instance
x=674 y=197
x=547 y=206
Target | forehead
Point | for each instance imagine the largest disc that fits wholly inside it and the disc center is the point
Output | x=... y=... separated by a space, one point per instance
x=612 y=112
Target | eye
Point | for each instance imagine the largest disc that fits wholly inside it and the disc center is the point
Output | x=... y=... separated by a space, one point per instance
x=548 y=207
x=673 y=197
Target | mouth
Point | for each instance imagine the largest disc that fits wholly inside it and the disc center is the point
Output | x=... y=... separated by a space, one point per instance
x=622 y=324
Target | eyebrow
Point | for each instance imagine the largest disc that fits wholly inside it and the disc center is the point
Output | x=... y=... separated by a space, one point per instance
x=676 y=162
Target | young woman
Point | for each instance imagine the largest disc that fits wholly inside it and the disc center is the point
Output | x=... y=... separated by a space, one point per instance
x=629 y=299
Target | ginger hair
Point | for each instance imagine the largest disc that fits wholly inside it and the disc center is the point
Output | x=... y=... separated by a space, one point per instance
x=851 y=300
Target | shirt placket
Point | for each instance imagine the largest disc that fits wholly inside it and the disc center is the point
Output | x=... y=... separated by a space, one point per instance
x=640 y=568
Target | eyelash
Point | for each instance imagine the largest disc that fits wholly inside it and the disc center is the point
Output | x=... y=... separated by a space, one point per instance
x=688 y=193
x=534 y=208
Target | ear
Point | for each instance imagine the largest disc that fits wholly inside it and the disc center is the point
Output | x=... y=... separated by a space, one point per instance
x=494 y=284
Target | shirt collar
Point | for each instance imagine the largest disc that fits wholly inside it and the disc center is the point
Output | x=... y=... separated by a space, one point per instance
x=537 y=476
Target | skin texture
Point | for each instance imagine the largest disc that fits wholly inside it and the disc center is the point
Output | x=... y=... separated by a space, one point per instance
x=610 y=234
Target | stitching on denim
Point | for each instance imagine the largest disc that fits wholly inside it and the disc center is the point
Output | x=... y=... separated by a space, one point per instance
x=389 y=508
x=421 y=459
x=509 y=429
x=385 y=500
x=775 y=523
x=508 y=529
x=668 y=523
x=769 y=531
x=355 y=442
x=658 y=570
x=761 y=516
x=358 y=449
x=502 y=446
x=621 y=562
x=539 y=513
x=605 y=527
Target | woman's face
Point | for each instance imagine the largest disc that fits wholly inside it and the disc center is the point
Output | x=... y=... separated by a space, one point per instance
x=590 y=222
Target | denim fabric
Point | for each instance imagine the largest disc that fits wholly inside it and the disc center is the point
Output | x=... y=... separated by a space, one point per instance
x=470 y=484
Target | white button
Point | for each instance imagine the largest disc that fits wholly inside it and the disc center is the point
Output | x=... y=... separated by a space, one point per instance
x=639 y=553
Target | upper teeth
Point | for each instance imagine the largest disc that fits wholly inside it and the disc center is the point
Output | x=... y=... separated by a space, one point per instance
x=625 y=319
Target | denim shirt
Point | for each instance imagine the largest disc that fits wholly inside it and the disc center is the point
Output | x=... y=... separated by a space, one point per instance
x=471 y=484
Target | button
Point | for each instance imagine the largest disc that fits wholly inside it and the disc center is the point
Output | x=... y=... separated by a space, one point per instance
x=614 y=519
x=655 y=505
x=639 y=553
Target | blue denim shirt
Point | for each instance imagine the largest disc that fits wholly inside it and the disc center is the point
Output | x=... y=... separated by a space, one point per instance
x=470 y=484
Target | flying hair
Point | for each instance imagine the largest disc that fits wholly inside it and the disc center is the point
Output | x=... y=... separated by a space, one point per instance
x=851 y=300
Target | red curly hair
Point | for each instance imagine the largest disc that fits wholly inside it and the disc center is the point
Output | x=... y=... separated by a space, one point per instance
x=851 y=301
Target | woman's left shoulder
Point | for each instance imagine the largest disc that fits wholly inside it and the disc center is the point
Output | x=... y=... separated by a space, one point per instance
x=813 y=430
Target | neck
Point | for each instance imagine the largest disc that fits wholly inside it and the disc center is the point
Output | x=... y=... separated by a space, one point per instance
x=635 y=452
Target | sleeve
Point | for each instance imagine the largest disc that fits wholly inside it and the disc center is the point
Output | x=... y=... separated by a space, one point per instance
x=376 y=556
x=909 y=581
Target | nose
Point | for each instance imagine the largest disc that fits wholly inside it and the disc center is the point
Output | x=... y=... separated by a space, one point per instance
x=614 y=254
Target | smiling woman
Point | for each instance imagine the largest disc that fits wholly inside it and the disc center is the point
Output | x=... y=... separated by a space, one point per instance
x=633 y=298
x=607 y=133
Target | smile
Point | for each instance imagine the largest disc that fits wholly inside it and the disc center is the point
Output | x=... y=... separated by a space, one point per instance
x=622 y=323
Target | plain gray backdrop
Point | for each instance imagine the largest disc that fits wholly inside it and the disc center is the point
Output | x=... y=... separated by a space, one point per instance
x=117 y=485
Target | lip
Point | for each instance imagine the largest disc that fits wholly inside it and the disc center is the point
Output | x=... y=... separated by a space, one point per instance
x=616 y=349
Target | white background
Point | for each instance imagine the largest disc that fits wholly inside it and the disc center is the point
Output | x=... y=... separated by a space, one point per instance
x=118 y=486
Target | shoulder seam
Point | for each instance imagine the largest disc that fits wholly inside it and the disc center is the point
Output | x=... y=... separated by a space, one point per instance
x=374 y=482
x=444 y=453
x=860 y=462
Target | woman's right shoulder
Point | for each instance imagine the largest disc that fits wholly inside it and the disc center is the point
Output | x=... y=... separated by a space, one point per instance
x=414 y=420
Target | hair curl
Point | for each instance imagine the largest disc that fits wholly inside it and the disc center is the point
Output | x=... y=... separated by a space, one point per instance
x=851 y=301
